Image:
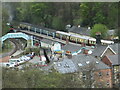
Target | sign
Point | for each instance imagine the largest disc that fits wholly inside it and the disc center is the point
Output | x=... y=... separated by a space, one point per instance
x=57 y=47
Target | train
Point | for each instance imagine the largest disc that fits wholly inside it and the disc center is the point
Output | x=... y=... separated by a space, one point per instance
x=11 y=28
x=79 y=39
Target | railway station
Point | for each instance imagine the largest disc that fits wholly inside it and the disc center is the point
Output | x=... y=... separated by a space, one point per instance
x=62 y=41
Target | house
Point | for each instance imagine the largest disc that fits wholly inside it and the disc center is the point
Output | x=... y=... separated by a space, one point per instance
x=115 y=47
x=90 y=68
x=101 y=51
x=79 y=31
x=100 y=73
x=114 y=62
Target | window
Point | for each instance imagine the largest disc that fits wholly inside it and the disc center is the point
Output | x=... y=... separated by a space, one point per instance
x=107 y=73
x=79 y=64
x=59 y=64
x=100 y=73
x=92 y=76
x=100 y=84
x=84 y=76
x=87 y=62
x=107 y=83
x=66 y=66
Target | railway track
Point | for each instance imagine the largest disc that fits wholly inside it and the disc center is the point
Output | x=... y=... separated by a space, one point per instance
x=16 y=46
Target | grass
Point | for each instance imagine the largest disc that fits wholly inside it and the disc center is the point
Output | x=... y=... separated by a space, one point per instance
x=7 y=47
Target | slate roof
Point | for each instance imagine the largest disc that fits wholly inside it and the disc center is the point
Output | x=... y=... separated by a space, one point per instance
x=82 y=61
x=114 y=59
x=70 y=47
x=80 y=30
x=116 y=47
x=48 y=41
x=65 y=66
x=99 y=50
x=79 y=63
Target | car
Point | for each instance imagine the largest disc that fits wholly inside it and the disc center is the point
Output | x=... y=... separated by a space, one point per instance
x=25 y=58
x=31 y=55
x=5 y=64
x=8 y=64
x=17 y=61
x=12 y=64
x=22 y=61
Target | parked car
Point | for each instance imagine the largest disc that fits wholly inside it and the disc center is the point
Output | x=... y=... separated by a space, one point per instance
x=8 y=64
x=13 y=64
x=25 y=58
x=31 y=55
x=16 y=60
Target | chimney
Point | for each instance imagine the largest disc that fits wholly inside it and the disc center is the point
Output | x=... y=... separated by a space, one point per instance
x=85 y=52
x=83 y=44
x=98 y=38
x=67 y=41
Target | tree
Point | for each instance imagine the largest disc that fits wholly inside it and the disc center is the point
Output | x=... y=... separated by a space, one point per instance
x=35 y=78
x=57 y=23
x=99 y=28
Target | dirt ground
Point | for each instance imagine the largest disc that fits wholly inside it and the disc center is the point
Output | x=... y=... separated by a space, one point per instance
x=5 y=59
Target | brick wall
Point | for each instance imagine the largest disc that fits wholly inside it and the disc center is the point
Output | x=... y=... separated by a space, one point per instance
x=106 y=61
x=105 y=79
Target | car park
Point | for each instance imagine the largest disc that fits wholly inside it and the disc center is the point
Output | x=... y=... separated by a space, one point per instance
x=16 y=60
x=8 y=64
x=25 y=58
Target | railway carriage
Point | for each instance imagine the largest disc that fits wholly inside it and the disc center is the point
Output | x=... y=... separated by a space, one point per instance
x=63 y=35
x=92 y=41
x=106 y=42
x=79 y=39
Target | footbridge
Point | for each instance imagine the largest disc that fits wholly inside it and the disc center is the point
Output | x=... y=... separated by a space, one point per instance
x=17 y=35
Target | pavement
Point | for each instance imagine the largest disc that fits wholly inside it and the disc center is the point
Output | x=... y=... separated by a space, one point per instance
x=5 y=59
x=35 y=60
x=17 y=52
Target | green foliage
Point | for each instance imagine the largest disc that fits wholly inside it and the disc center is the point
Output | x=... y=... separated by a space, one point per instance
x=5 y=17
x=29 y=50
x=57 y=23
x=7 y=47
x=58 y=15
x=99 y=28
x=35 y=78
x=98 y=12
